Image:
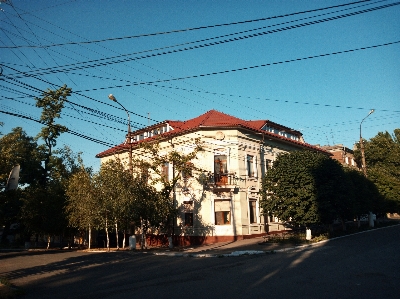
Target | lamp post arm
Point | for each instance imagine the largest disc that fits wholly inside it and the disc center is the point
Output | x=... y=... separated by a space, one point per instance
x=129 y=118
x=364 y=166
x=362 y=122
x=112 y=98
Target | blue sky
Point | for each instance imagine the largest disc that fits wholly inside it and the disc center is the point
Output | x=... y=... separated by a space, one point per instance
x=160 y=65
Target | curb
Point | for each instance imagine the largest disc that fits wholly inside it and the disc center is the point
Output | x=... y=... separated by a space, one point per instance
x=202 y=255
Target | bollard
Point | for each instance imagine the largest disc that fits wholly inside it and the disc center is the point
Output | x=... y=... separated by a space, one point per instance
x=308 y=234
x=132 y=242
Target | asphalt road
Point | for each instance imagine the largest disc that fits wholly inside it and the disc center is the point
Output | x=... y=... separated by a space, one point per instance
x=360 y=266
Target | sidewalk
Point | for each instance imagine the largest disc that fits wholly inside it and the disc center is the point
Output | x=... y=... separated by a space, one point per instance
x=234 y=248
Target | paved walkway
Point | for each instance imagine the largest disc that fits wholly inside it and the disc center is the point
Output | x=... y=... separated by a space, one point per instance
x=246 y=246
x=240 y=247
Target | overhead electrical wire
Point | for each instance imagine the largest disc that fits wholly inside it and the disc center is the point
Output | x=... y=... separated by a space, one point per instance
x=266 y=99
x=238 y=96
x=102 y=62
x=65 y=56
x=95 y=111
x=306 y=103
x=109 y=117
x=94 y=139
x=247 y=68
x=91 y=138
x=192 y=29
x=350 y=8
x=73 y=92
x=77 y=134
x=69 y=130
x=46 y=51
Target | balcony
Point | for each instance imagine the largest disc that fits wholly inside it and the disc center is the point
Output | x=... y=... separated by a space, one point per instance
x=222 y=180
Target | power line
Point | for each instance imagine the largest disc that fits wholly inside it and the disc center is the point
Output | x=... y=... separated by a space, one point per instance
x=334 y=106
x=106 y=62
x=191 y=29
x=245 y=68
x=69 y=131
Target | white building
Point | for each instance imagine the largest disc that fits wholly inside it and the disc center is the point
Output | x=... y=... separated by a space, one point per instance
x=237 y=154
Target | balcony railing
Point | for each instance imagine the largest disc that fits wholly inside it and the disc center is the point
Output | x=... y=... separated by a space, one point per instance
x=222 y=179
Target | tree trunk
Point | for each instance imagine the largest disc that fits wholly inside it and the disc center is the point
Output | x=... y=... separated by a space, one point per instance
x=48 y=241
x=141 y=234
x=143 y=238
x=123 y=239
x=108 y=238
x=90 y=236
x=116 y=234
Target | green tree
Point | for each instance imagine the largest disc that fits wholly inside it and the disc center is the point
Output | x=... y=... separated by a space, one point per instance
x=382 y=155
x=43 y=206
x=155 y=203
x=305 y=188
x=51 y=102
x=82 y=206
x=113 y=191
x=363 y=194
x=16 y=148
x=43 y=210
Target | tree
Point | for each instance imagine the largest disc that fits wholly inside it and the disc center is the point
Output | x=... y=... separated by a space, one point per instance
x=43 y=209
x=82 y=207
x=363 y=194
x=305 y=188
x=51 y=102
x=382 y=154
x=155 y=205
x=43 y=206
x=113 y=187
x=16 y=148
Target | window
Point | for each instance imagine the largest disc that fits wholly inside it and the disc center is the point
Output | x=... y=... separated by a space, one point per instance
x=222 y=218
x=252 y=211
x=220 y=169
x=222 y=212
x=250 y=169
x=165 y=170
x=220 y=165
x=188 y=219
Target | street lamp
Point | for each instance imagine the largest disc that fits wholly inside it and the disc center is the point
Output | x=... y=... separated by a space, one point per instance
x=364 y=166
x=112 y=98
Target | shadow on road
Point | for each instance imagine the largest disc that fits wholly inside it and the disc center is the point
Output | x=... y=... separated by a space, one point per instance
x=360 y=265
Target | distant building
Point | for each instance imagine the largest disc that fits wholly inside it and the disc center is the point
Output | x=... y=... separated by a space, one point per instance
x=238 y=153
x=342 y=154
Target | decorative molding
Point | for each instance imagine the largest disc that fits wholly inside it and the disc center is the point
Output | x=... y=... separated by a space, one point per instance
x=219 y=135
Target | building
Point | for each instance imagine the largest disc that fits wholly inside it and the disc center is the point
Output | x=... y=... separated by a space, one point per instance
x=342 y=154
x=221 y=203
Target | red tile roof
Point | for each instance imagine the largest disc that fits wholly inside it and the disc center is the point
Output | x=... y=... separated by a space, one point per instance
x=214 y=119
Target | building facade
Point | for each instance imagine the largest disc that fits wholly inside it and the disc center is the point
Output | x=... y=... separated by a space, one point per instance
x=221 y=202
x=342 y=154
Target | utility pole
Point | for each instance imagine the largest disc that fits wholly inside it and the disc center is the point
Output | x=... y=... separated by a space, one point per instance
x=364 y=165
x=128 y=139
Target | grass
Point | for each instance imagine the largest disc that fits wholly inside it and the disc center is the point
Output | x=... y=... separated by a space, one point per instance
x=299 y=238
